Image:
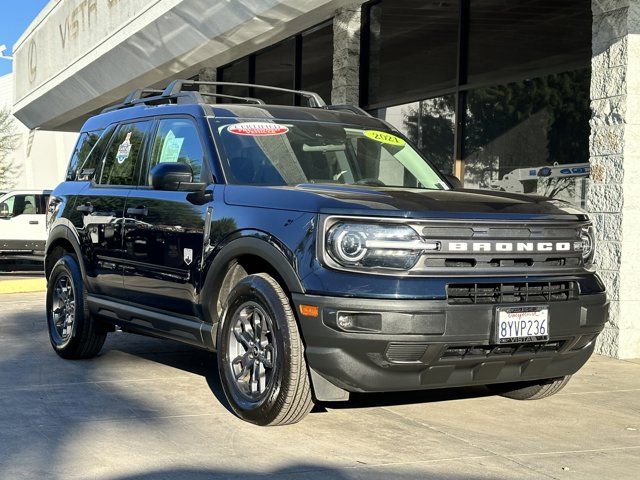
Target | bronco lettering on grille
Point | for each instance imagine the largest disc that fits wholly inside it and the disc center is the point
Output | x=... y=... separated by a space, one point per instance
x=509 y=247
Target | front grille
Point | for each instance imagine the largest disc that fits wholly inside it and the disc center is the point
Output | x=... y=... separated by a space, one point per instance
x=534 y=292
x=492 y=351
x=506 y=248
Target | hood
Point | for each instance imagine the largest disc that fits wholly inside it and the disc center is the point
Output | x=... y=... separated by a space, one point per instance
x=401 y=202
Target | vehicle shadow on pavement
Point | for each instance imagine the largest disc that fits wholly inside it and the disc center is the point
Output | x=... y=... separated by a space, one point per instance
x=306 y=471
x=196 y=361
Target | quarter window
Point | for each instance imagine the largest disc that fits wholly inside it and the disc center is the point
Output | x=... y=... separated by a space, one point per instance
x=86 y=143
x=177 y=140
x=119 y=165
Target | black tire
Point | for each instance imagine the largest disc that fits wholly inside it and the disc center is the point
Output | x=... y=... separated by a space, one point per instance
x=286 y=398
x=531 y=390
x=86 y=336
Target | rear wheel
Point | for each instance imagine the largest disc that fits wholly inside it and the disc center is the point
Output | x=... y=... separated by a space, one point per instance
x=260 y=354
x=72 y=331
x=531 y=390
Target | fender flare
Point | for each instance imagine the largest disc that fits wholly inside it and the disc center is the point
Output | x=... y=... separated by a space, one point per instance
x=62 y=231
x=257 y=245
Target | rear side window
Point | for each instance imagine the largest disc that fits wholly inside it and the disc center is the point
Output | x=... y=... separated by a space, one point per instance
x=177 y=140
x=122 y=159
x=85 y=145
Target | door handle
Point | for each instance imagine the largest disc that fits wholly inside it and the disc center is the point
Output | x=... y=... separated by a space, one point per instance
x=86 y=208
x=33 y=222
x=138 y=212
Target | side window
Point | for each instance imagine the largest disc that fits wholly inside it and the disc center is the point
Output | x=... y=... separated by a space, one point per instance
x=42 y=201
x=119 y=164
x=86 y=143
x=6 y=207
x=88 y=165
x=19 y=205
x=177 y=140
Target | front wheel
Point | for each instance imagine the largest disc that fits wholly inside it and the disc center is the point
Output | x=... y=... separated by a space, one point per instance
x=531 y=390
x=261 y=356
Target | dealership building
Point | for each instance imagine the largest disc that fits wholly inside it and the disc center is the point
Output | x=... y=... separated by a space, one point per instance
x=490 y=90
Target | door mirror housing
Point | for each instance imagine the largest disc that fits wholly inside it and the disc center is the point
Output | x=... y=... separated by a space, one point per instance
x=4 y=211
x=454 y=181
x=174 y=177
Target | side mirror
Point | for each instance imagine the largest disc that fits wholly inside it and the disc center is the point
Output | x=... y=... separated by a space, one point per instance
x=173 y=177
x=4 y=211
x=454 y=181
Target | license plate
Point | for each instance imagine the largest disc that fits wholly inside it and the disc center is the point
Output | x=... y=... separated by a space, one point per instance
x=522 y=324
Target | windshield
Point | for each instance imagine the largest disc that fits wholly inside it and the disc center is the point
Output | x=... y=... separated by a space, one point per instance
x=290 y=153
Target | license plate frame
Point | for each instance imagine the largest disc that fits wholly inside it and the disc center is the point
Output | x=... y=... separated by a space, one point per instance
x=521 y=326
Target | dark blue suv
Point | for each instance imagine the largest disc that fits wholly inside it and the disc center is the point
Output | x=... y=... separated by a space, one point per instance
x=316 y=250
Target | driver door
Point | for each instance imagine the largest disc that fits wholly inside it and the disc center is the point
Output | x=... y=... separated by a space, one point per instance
x=164 y=230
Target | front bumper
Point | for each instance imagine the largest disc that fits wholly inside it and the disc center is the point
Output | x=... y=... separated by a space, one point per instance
x=429 y=344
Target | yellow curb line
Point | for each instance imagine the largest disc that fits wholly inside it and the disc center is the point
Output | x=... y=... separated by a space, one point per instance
x=23 y=286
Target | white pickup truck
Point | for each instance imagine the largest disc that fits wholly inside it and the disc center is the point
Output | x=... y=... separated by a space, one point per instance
x=23 y=229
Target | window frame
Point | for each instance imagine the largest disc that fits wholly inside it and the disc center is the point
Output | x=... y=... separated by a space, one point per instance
x=206 y=175
x=141 y=157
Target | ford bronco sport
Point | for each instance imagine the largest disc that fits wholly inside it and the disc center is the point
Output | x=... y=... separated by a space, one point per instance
x=316 y=251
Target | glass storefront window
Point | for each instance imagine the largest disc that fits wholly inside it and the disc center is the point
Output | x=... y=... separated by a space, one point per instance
x=513 y=130
x=412 y=49
x=236 y=72
x=429 y=124
x=511 y=40
x=506 y=87
x=317 y=61
x=276 y=67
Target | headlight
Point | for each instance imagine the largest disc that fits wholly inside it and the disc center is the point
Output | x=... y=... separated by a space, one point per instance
x=587 y=245
x=353 y=244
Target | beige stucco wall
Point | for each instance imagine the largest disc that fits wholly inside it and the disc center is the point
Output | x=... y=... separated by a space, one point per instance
x=42 y=156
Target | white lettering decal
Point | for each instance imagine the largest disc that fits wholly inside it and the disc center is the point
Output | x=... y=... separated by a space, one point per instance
x=563 y=247
x=504 y=247
x=481 y=247
x=545 y=247
x=458 y=247
x=525 y=247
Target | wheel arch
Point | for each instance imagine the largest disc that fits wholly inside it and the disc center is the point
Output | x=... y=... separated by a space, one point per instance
x=245 y=256
x=61 y=240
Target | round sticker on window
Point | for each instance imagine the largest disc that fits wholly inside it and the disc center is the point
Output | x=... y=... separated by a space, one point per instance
x=384 y=137
x=258 y=129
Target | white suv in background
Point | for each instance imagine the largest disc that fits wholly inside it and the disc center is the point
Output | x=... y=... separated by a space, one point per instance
x=23 y=229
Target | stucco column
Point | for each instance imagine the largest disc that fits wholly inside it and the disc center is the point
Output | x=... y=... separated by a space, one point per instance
x=614 y=188
x=208 y=74
x=346 y=55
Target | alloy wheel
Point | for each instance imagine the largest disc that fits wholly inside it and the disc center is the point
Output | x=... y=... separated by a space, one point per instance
x=252 y=350
x=63 y=308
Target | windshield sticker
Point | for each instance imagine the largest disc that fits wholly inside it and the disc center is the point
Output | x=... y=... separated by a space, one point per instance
x=258 y=129
x=171 y=148
x=124 y=149
x=384 y=137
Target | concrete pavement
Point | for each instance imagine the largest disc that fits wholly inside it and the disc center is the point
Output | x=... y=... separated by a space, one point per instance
x=153 y=409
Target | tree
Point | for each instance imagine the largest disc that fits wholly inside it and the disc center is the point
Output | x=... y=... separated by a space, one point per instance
x=9 y=170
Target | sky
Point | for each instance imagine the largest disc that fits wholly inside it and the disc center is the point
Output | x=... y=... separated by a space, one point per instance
x=15 y=17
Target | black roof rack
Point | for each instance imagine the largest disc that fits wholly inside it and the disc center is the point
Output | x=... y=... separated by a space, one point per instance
x=233 y=97
x=175 y=87
x=174 y=93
